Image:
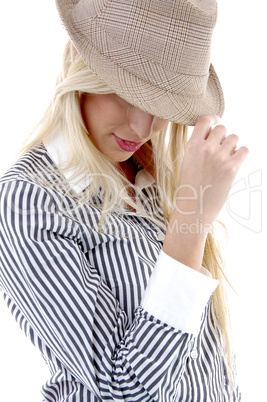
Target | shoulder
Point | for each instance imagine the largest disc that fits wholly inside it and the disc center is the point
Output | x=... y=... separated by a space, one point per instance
x=29 y=167
x=31 y=180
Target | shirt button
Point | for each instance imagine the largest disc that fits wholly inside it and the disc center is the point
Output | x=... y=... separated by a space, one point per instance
x=194 y=354
x=161 y=236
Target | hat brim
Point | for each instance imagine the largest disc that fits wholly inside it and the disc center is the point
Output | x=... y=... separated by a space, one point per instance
x=157 y=100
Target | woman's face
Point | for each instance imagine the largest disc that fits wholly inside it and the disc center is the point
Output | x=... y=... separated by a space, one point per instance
x=117 y=128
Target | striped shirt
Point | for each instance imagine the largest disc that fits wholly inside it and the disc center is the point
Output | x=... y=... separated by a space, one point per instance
x=115 y=318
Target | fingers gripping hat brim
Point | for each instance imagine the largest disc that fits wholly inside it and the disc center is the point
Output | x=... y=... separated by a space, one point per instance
x=155 y=55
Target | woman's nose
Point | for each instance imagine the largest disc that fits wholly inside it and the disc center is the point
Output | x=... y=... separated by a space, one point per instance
x=140 y=122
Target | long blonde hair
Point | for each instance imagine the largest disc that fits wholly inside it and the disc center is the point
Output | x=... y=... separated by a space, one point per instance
x=161 y=156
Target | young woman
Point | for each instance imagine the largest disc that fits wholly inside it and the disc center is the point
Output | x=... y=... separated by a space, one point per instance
x=108 y=259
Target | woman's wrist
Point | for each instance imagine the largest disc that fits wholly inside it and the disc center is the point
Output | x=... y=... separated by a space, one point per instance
x=185 y=240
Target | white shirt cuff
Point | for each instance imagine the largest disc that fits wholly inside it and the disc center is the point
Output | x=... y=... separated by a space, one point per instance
x=177 y=294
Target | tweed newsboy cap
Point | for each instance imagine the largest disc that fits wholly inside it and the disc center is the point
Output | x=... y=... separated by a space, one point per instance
x=155 y=54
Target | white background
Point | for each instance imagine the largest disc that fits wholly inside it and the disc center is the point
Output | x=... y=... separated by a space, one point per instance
x=32 y=40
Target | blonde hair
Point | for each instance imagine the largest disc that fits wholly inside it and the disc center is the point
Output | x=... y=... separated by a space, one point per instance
x=161 y=156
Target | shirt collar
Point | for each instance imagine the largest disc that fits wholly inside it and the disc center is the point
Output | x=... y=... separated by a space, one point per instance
x=143 y=179
x=58 y=149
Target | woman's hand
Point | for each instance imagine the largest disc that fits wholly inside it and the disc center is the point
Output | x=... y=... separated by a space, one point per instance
x=208 y=169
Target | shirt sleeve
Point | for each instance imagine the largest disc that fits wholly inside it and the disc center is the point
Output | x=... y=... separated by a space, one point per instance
x=70 y=309
x=177 y=294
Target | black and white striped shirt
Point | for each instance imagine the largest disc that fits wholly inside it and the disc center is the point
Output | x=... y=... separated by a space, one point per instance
x=115 y=318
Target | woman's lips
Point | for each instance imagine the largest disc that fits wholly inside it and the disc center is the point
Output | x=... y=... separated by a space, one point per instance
x=128 y=146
